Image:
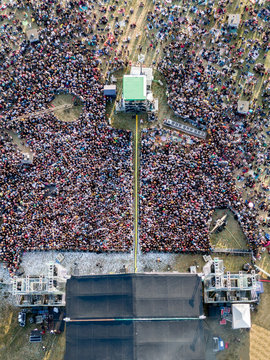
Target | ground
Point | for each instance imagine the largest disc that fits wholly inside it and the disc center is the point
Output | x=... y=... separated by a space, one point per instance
x=231 y=236
x=71 y=114
x=14 y=340
x=253 y=344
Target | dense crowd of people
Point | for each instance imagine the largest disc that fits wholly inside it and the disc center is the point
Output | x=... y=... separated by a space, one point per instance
x=183 y=183
x=77 y=192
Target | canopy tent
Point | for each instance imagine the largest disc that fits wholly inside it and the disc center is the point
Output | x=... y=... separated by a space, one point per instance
x=109 y=90
x=241 y=316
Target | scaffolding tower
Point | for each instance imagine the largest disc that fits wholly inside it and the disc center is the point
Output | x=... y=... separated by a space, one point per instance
x=46 y=289
x=221 y=287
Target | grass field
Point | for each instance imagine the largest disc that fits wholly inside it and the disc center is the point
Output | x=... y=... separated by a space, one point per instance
x=232 y=236
x=70 y=114
x=14 y=340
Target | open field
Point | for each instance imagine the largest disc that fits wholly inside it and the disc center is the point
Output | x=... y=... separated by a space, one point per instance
x=68 y=115
x=232 y=236
x=14 y=340
x=259 y=343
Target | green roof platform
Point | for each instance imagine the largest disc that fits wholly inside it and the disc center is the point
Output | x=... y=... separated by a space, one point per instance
x=134 y=87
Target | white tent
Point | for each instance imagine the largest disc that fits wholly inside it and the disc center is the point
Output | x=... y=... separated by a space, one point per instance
x=241 y=316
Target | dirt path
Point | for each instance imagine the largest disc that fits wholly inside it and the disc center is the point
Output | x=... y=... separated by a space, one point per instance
x=259 y=343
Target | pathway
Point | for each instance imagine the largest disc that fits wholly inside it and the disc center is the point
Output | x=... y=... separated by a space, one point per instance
x=136 y=170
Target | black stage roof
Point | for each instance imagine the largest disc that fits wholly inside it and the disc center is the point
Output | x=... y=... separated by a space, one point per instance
x=134 y=317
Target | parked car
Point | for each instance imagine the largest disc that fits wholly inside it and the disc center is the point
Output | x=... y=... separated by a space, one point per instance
x=22 y=318
x=218 y=344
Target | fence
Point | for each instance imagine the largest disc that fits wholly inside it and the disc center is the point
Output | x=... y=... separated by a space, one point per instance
x=232 y=251
x=184 y=128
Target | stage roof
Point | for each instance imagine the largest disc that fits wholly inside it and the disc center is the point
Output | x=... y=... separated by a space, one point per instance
x=134 y=316
x=134 y=87
x=134 y=295
x=130 y=340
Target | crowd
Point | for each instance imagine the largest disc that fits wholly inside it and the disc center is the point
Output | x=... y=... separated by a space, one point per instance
x=182 y=183
x=77 y=193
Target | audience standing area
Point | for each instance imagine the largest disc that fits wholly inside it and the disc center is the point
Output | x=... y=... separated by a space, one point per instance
x=135 y=316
